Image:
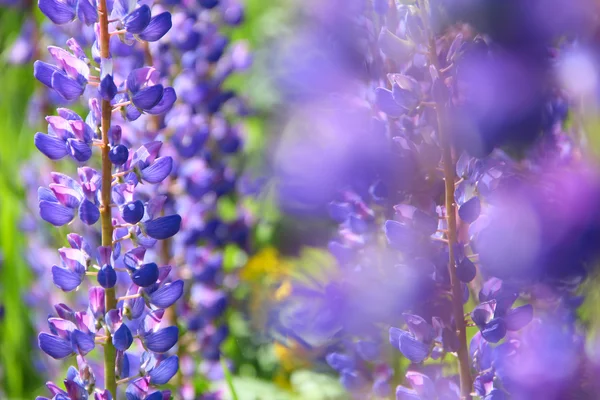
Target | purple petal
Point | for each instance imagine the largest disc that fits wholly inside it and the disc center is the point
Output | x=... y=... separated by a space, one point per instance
x=52 y=147
x=167 y=295
x=43 y=72
x=83 y=342
x=107 y=277
x=66 y=279
x=421 y=330
x=157 y=28
x=164 y=371
x=140 y=77
x=518 y=318
x=403 y=393
x=108 y=90
x=68 y=88
x=470 y=210
x=466 y=270
x=56 y=213
x=386 y=103
x=133 y=212
x=146 y=275
x=494 y=331
x=96 y=298
x=399 y=235
x=148 y=97
x=79 y=150
x=136 y=21
x=54 y=346
x=59 y=12
x=168 y=99
x=122 y=338
x=89 y=212
x=340 y=362
x=163 y=340
x=87 y=12
x=163 y=227
x=158 y=170
x=421 y=384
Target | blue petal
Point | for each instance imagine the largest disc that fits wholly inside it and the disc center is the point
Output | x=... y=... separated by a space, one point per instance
x=494 y=331
x=163 y=227
x=52 y=147
x=83 y=342
x=87 y=12
x=136 y=21
x=133 y=212
x=148 y=97
x=157 y=27
x=80 y=151
x=167 y=295
x=43 y=72
x=168 y=99
x=421 y=384
x=68 y=88
x=470 y=210
x=466 y=270
x=339 y=361
x=46 y=194
x=56 y=213
x=495 y=394
x=386 y=103
x=107 y=277
x=56 y=347
x=66 y=279
x=162 y=340
x=399 y=235
x=154 y=396
x=164 y=371
x=158 y=170
x=89 y=212
x=518 y=318
x=59 y=12
x=118 y=154
x=146 y=275
x=132 y=113
x=403 y=393
x=411 y=348
x=108 y=90
x=122 y=338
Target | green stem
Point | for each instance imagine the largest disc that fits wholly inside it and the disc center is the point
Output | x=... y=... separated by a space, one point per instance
x=110 y=302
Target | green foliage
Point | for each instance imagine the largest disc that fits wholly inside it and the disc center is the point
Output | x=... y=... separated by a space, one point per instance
x=17 y=339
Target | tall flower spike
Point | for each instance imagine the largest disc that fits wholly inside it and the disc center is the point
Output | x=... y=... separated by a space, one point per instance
x=97 y=193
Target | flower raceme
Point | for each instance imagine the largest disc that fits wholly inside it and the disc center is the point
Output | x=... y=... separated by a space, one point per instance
x=433 y=203
x=127 y=294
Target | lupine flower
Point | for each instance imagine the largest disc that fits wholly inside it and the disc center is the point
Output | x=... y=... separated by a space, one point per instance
x=110 y=322
x=422 y=142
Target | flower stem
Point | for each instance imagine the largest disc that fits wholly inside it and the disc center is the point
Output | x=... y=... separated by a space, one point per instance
x=110 y=301
x=466 y=380
x=457 y=303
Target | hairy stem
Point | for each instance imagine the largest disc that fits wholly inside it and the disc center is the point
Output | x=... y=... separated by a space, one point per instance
x=110 y=380
x=457 y=303
x=466 y=380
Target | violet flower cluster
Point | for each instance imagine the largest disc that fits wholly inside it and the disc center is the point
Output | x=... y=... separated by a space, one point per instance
x=465 y=209
x=205 y=139
x=128 y=295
